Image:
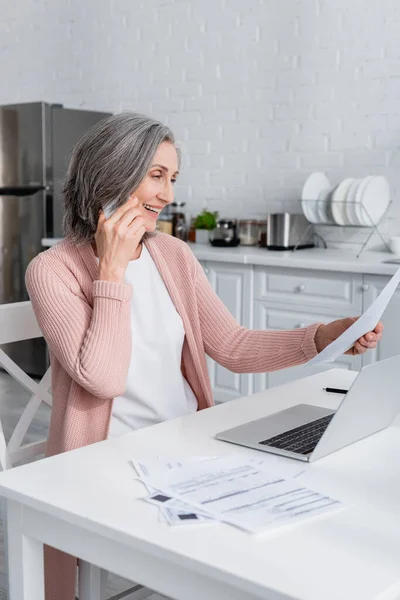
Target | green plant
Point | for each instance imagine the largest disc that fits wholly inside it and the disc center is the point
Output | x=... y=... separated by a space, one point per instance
x=206 y=220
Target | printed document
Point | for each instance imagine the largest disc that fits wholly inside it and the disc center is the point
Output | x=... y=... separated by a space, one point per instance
x=235 y=490
x=176 y=513
x=367 y=322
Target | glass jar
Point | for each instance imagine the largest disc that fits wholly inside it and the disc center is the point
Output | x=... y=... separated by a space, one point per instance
x=192 y=231
x=181 y=231
x=248 y=232
x=177 y=216
x=164 y=224
x=262 y=234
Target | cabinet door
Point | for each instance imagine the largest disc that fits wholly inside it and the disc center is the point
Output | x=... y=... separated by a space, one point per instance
x=323 y=291
x=267 y=317
x=234 y=286
x=205 y=268
x=390 y=343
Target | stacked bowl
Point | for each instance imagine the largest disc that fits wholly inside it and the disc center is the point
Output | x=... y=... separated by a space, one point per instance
x=360 y=202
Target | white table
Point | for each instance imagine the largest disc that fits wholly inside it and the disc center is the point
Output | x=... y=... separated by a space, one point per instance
x=87 y=503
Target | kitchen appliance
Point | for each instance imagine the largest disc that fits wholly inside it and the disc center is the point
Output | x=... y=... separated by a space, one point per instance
x=248 y=232
x=225 y=234
x=36 y=140
x=286 y=231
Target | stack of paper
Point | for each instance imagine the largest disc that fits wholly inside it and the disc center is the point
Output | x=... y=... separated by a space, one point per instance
x=234 y=490
x=175 y=513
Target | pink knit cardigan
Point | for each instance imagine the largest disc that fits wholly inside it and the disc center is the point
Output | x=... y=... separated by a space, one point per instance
x=86 y=323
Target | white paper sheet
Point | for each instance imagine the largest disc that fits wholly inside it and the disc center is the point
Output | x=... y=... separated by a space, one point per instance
x=161 y=464
x=186 y=517
x=177 y=513
x=391 y=593
x=233 y=490
x=367 y=322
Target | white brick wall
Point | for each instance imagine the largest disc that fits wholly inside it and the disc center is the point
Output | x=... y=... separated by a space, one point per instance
x=259 y=92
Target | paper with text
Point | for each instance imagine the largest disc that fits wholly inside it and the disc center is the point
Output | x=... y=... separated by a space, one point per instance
x=233 y=490
x=177 y=512
x=367 y=322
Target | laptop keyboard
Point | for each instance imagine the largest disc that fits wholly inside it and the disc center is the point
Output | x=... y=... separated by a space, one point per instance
x=301 y=440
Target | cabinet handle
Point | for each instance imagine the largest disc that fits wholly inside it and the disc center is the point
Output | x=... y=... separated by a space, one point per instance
x=300 y=326
x=301 y=287
x=365 y=287
x=206 y=270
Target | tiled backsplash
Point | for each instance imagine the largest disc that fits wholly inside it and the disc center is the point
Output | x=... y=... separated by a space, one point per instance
x=260 y=93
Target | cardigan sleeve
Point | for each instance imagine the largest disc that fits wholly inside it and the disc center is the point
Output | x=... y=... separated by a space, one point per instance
x=243 y=350
x=92 y=344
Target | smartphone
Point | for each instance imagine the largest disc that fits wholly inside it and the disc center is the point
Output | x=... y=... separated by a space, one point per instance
x=109 y=210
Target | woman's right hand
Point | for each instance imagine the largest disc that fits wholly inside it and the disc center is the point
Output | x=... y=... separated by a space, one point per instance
x=117 y=239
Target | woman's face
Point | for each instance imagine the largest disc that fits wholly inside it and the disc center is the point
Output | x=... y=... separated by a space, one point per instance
x=156 y=190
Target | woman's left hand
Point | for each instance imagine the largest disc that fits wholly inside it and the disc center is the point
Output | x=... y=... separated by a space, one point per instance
x=328 y=333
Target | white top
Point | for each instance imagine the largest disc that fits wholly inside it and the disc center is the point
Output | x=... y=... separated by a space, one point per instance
x=351 y=554
x=156 y=390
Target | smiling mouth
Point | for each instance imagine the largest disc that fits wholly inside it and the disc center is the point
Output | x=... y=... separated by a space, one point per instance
x=152 y=209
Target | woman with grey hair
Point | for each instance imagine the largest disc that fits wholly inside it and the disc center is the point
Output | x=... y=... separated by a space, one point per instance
x=128 y=314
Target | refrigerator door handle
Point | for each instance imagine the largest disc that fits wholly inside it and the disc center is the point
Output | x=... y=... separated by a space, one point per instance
x=21 y=190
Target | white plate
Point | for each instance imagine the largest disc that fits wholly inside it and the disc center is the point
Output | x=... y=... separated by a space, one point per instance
x=307 y=211
x=358 y=210
x=338 y=201
x=375 y=199
x=323 y=206
x=315 y=185
x=350 y=203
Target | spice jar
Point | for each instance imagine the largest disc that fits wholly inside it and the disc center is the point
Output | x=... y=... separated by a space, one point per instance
x=248 y=232
x=192 y=231
x=164 y=224
x=181 y=231
x=178 y=216
x=262 y=234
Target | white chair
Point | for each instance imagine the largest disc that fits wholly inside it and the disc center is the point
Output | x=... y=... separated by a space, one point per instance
x=17 y=323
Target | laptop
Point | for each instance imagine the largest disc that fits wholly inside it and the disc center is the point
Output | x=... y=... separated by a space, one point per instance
x=306 y=432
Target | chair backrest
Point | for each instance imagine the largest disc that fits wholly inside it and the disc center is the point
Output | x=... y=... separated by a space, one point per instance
x=17 y=323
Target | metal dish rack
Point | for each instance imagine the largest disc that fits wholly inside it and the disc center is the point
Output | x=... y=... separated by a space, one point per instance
x=371 y=229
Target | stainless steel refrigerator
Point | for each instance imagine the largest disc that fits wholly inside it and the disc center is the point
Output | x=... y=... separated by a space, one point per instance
x=36 y=140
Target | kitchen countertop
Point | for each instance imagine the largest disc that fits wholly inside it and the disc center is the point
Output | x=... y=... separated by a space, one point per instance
x=370 y=261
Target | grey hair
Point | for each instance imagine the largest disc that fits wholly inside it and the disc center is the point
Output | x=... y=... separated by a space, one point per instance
x=107 y=164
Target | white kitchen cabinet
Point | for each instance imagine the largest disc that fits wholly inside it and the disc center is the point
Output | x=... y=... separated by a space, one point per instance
x=390 y=343
x=270 y=297
x=296 y=298
x=234 y=286
x=276 y=318
x=204 y=265
x=323 y=291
